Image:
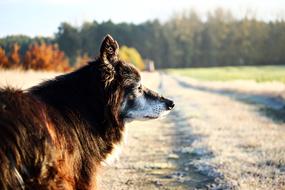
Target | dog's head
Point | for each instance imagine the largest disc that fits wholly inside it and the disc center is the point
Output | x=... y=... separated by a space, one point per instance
x=135 y=101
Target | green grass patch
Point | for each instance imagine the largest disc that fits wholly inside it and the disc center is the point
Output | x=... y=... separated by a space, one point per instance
x=257 y=73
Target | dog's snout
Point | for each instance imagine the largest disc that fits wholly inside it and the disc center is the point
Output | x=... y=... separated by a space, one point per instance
x=169 y=104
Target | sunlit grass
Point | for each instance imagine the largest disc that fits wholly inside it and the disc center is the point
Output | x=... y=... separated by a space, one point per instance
x=18 y=78
x=259 y=74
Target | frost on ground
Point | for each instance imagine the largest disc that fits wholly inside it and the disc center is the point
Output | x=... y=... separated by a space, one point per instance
x=209 y=141
x=246 y=148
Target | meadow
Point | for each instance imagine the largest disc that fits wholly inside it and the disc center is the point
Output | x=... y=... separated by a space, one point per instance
x=258 y=74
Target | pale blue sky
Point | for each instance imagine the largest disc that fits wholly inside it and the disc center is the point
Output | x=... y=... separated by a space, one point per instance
x=42 y=17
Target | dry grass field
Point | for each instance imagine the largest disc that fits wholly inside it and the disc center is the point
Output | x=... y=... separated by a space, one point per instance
x=23 y=79
x=217 y=137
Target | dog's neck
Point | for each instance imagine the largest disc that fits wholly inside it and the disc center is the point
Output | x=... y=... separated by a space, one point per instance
x=73 y=95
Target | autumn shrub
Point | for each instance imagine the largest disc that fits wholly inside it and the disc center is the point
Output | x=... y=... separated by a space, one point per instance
x=131 y=55
x=3 y=59
x=14 y=58
x=45 y=57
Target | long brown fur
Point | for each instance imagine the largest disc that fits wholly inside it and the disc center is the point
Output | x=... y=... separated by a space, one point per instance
x=56 y=134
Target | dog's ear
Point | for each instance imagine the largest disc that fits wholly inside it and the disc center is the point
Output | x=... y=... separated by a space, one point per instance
x=109 y=50
x=109 y=53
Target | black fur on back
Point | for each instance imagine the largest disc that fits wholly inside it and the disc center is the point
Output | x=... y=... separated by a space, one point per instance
x=54 y=135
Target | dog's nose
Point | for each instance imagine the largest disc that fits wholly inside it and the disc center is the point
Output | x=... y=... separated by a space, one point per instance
x=170 y=104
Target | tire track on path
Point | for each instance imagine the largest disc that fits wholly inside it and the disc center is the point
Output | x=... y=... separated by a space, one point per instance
x=157 y=155
x=240 y=147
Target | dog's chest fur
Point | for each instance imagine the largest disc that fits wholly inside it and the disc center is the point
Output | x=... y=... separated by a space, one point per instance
x=117 y=150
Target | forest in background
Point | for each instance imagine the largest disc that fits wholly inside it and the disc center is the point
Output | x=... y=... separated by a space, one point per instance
x=185 y=40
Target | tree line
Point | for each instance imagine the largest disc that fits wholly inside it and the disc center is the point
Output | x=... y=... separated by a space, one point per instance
x=185 y=40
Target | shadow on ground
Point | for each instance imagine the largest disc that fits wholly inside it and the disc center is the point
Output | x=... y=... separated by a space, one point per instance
x=185 y=175
x=183 y=157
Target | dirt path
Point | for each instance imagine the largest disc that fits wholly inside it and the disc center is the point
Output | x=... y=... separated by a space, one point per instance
x=210 y=141
x=156 y=157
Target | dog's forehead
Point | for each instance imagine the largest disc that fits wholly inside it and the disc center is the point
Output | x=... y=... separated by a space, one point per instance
x=130 y=74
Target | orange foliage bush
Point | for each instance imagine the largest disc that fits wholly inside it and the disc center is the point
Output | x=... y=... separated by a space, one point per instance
x=45 y=57
x=14 y=59
x=131 y=55
x=3 y=59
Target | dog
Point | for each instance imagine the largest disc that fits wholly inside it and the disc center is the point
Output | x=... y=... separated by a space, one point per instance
x=55 y=135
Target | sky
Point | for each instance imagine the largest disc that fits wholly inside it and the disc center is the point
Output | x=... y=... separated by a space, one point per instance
x=42 y=17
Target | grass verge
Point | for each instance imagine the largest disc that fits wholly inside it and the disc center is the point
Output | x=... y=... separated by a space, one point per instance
x=258 y=74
